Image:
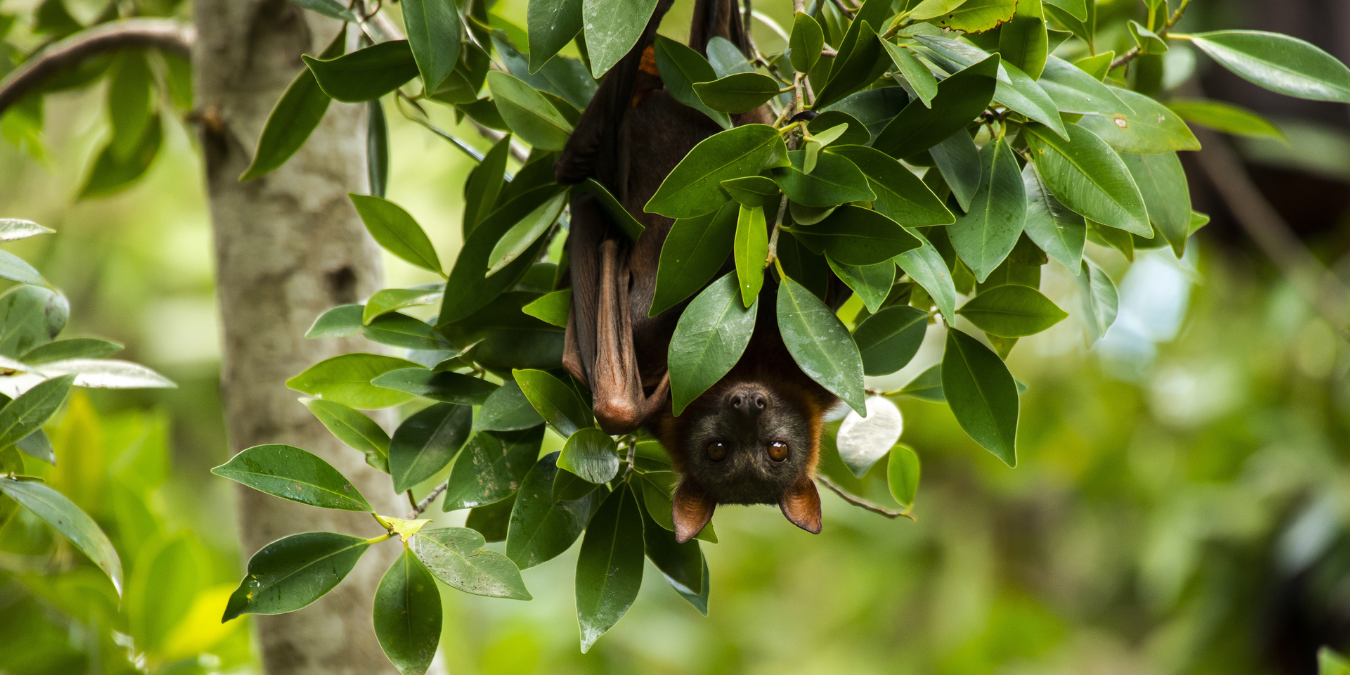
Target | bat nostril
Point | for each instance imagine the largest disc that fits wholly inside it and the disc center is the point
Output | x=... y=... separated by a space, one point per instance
x=737 y=401
x=760 y=401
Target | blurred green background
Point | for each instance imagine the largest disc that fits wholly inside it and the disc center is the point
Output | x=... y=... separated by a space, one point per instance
x=1181 y=503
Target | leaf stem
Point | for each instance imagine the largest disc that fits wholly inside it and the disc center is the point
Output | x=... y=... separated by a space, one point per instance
x=1135 y=51
x=862 y=503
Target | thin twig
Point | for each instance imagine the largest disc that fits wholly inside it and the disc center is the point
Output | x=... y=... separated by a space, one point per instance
x=860 y=502
x=61 y=56
x=421 y=506
x=1135 y=51
x=840 y=5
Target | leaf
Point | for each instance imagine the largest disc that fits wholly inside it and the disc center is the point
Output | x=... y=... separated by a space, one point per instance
x=858 y=63
x=507 y=409
x=1162 y=182
x=977 y=16
x=918 y=76
x=1052 y=226
x=985 y=235
x=657 y=487
x=958 y=164
x=14 y=229
x=1015 y=89
x=65 y=517
x=819 y=343
x=293 y=118
x=551 y=308
x=112 y=172
x=864 y=440
x=590 y=454
x=354 y=429
x=556 y=402
x=366 y=74
x=1076 y=8
x=726 y=58
x=835 y=181
x=408 y=614
x=541 y=530
x=329 y=8
x=130 y=105
x=932 y=9
x=681 y=564
x=457 y=557
x=522 y=236
x=161 y=591
x=1331 y=663
x=902 y=474
x=1280 y=63
x=889 y=339
x=433 y=34
x=1012 y=310
x=1100 y=300
x=681 y=68
x=927 y=386
x=73 y=348
x=291 y=473
x=805 y=43
x=693 y=187
x=609 y=568
x=751 y=250
x=1152 y=129
x=612 y=28
x=927 y=268
x=446 y=387
x=485 y=183
x=1226 y=117
x=856 y=236
x=401 y=330
x=491 y=521
x=875 y=108
x=530 y=115
x=426 y=442
x=622 y=218
x=709 y=339
x=1088 y=177
x=552 y=24
x=30 y=316
x=981 y=394
x=108 y=374
x=27 y=413
x=1024 y=42
x=392 y=299
x=753 y=191
x=900 y=195
x=1147 y=41
x=1075 y=91
x=395 y=230
x=38 y=446
x=736 y=93
x=346 y=379
x=960 y=99
x=491 y=468
x=872 y=283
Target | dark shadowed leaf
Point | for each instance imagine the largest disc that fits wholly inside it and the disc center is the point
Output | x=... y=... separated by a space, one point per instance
x=982 y=395
x=960 y=99
x=291 y=473
x=681 y=68
x=1057 y=230
x=736 y=93
x=856 y=236
x=709 y=339
x=835 y=180
x=426 y=442
x=820 y=344
x=507 y=409
x=888 y=339
x=556 y=402
x=872 y=283
x=540 y=530
x=552 y=24
x=609 y=569
x=408 y=614
x=694 y=188
x=1012 y=310
x=900 y=195
x=491 y=468
x=65 y=517
x=366 y=74
x=693 y=251
x=292 y=572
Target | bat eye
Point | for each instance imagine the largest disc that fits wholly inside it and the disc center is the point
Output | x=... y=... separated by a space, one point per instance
x=717 y=451
x=778 y=451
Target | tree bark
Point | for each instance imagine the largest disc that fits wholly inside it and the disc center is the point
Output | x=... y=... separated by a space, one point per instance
x=288 y=246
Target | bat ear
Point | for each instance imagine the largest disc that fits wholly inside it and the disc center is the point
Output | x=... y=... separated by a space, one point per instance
x=801 y=505
x=692 y=508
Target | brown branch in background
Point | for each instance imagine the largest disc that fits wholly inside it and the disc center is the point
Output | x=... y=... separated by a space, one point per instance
x=839 y=4
x=1162 y=33
x=860 y=502
x=1321 y=288
x=164 y=34
x=421 y=506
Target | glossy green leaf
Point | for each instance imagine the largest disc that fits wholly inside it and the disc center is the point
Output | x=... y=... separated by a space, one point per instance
x=932 y=9
x=522 y=236
x=65 y=517
x=918 y=76
x=568 y=486
x=426 y=442
x=1120 y=240
x=401 y=330
x=860 y=60
x=1100 y=300
x=709 y=339
x=1057 y=230
x=340 y=321
x=856 y=236
x=1075 y=91
x=13 y=229
x=552 y=24
x=491 y=468
x=927 y=268
x=609 y=568
x=902 y=474
x=130 y=103
x=446 y=387
x=612 y=28
x=680 y=564
x=354 y=429
x=36 y=445
x=492 y=520
x=958 y=164
x=1151 y=129
x=750 y=251
x=408 y=614
x=329 y=8
x=872 y=283
x=434 y=35
x=530 y=115
x=1012 y=310
x=30 y=316
x=456 y=556
x=726 y=58
x=622 y=218
x=556 y=402
x=657 y=488
x=805 y=42
x=1086 y=175
x=1015 y=89
x=900 y=195
x=737 y=93
x=551 y=308
x=754 y=191
x=485 y=184
x=985 y=235
x=819 y=343
x=977 y=16
x=982 y=395
x=590 y=454
x=1075 y=8
x=960 y=99
x=507 y=409
x=108 y=374
x=396 y=231
x=873 y=107
x=1280 y=63
x=1023 y=42
x=292 y=572
x=390 y=300
x=927 y=386
x=540 y=530
x=293 y=119
x=889 y=339
x=291 y=473
x=73 y=348
x=836 y=180
x=346 y=380
x=693 y=187
x=1167 y=196
x=681 y=68
x=693 y=252
x=1226 y=117
x=27 y=413
x=366 y=74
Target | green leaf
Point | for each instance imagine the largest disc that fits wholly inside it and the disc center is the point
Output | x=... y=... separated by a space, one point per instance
x=13 y=229
x=408 y=614
x=1024 y=42
x=737 y=93
x=693 y=252
x=27 y=413
x=932 y=9
x=552 y=24
x=340 y=321
x=1075 y=91
x=388 y=300
x=590 y=454
x=426 y=442
x=805 y=43
x=835 y=181
x=130 y=105
x=1331 y=663
x=902 y=474
x=65 y=517
x=918 y=76
x=1147 y=41
x=657 y=487
x=982 y=395
x=38 y=446
x=900 y=195
x=73 y=348
x=985 y=235
x=491 y=468
x=1162 y=182
x=693 y=187
x=366 y=74
x=346 y=379
x=753 y=191
x=556 y=402
x=522 y=236
x=751 y=250
x=485 y=183
x=433 y=34
x=1198 y=220
x=1057 y=230
x=568 y=486
x=541 y=530
x=681 y=564
x=726 y=58
x=329 y=8
x=622 y=218
x=30 y=316
x=1280 y=63
x=609 y=568
x=1100 y=301
x=401 y=330
x=681 y=68
x=291 y=473
x=1152 y=129
x=492 y=520
x=1076 y=8
x=958 y=164
x=977 y=16
x=161 y=590
x=927 y=268
x=927 y=386
x=872 y=283
x=820 y=344
x=354 y=429
x=858 y=63
x=113 y=172
x=1015 y=89
x=889 y=339
x=551 y=308
x=960 y=99
x=873 y=107
x=1086 y=175
x=507 y=409
x=1120 y=240
x=446 y=387
x=396 y=231
x=502 y=337
x=1012 y=311
x=457 y=557
x=108 y=374
x=856 y=236
x=1226 y=117
x=294 y=117
x=612 y=28
x=709 y=339
x=530 y=115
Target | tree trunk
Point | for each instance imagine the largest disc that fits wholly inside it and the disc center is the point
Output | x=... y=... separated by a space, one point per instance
x=288 y=246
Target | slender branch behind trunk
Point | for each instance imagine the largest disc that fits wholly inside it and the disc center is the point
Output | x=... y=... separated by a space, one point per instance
x=288 y=246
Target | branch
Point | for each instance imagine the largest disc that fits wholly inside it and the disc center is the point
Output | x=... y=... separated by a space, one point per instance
x=421 y=506
x=66 y=54
x=1162 y=33
x=860 y=502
